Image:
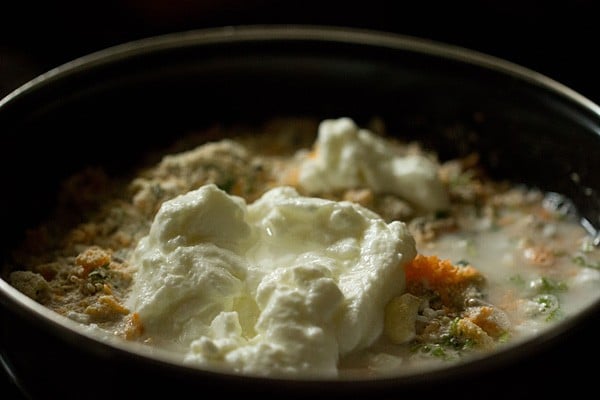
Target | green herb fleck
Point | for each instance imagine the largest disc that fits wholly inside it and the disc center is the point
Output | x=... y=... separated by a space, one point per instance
x=504 y=337
x=517 y=280
x=583 y=262
x=549 y=306
x=99 y=275
x=548 y=285
x=433 y=349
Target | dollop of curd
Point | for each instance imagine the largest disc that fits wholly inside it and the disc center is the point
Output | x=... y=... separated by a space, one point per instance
x=347 y=157
x=283 y=286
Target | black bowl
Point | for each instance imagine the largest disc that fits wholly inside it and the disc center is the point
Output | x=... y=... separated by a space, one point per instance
x=112 y=107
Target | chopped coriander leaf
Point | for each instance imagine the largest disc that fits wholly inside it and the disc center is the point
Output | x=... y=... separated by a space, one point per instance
x=549 y=305
x=582 y=261
x=551 y=286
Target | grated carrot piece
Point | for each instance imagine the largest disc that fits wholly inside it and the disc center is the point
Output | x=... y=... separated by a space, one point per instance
x=133 y=326
x=113 y=304
x=438 y=272
x=491 y=320
x=91 y=258
x=439 y=275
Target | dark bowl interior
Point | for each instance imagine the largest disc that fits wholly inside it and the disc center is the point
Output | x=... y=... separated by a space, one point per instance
x=112 y=107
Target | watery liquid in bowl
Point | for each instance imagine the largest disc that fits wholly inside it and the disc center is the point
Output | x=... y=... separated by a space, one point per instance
x=375 y=259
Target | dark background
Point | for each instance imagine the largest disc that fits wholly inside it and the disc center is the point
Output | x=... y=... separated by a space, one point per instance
x=558 y=39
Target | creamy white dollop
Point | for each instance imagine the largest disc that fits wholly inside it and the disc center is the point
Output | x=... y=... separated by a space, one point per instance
x=346 y=157
x=283 y=286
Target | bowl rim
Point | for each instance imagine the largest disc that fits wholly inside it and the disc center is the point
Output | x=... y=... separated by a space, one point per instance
x=297 y=32
x=10 y=297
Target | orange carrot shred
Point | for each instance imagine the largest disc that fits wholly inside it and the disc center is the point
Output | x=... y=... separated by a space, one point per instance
x=439 y=275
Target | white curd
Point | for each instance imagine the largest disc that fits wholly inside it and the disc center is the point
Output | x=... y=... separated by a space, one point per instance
x=285 y=285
